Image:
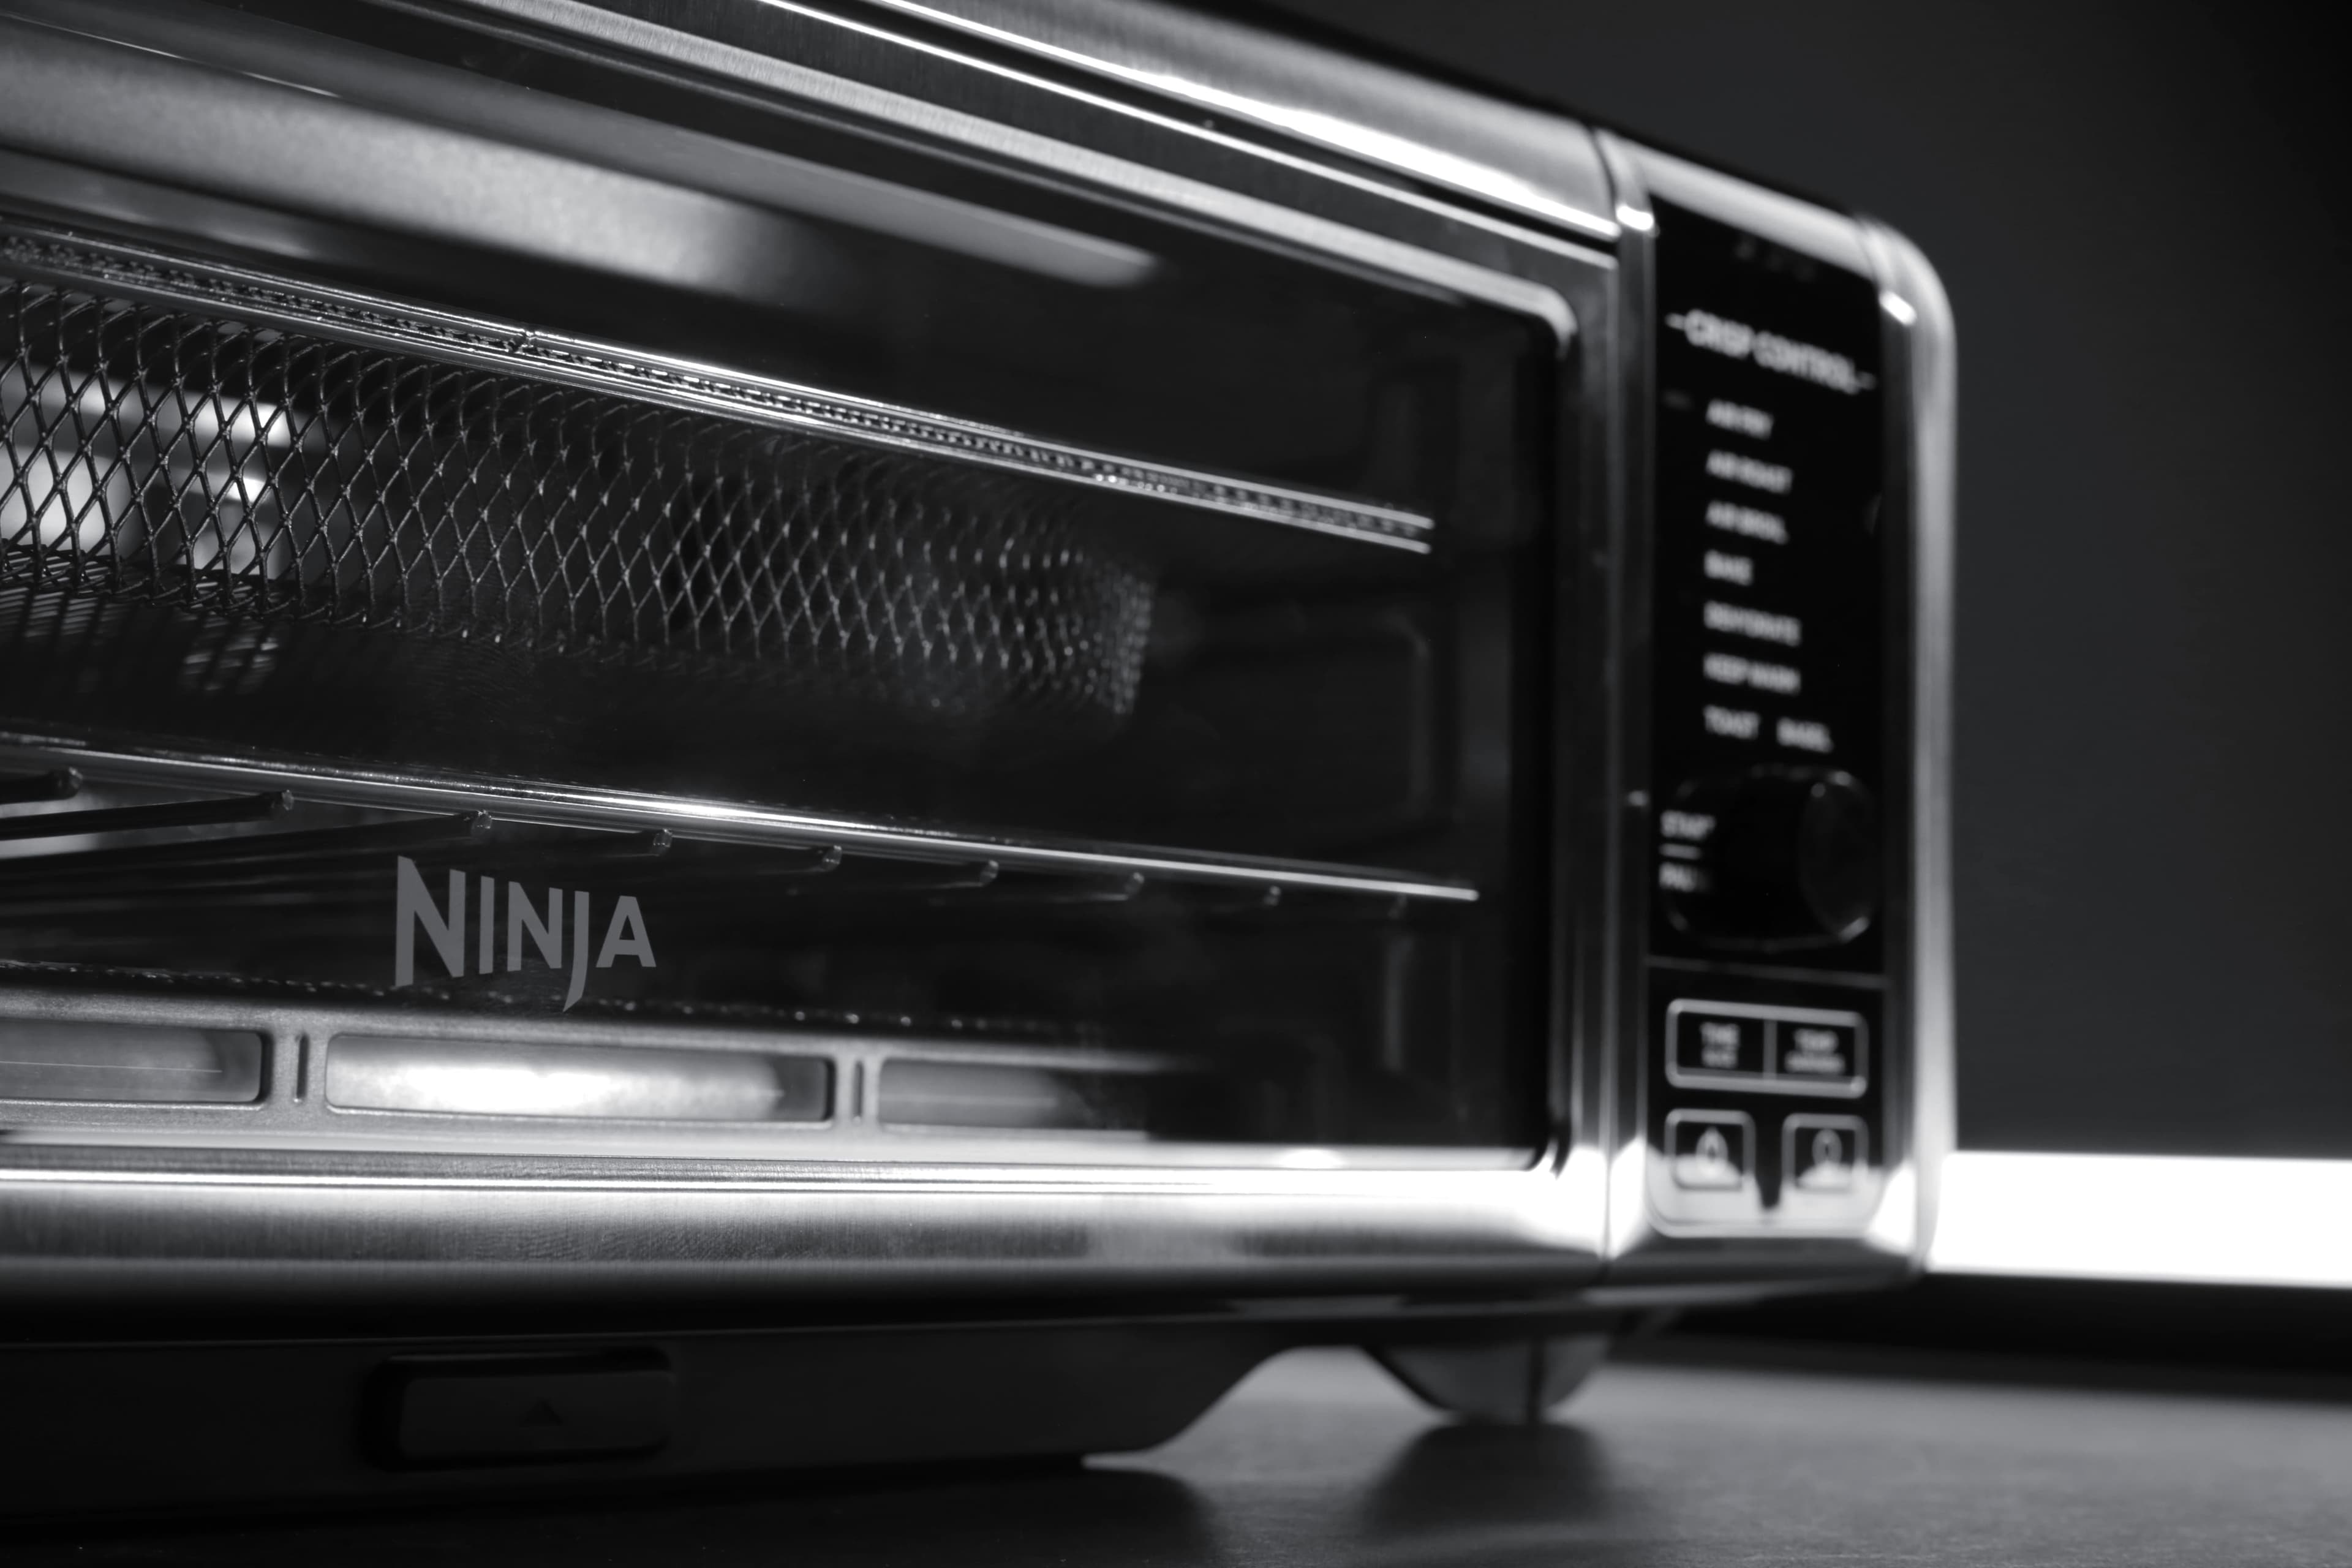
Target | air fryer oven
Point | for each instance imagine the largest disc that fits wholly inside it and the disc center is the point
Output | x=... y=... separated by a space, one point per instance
x=683 y=686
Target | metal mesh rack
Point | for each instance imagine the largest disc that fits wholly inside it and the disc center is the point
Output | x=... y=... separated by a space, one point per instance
x=269 y=478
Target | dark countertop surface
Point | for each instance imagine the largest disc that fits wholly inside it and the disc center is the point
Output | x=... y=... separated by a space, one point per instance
x=1318 y=1459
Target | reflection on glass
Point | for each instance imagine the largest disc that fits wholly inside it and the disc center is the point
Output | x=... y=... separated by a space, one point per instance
x=493 y=1078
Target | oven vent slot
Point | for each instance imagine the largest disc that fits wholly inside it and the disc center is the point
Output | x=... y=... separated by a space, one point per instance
x=967 y=1095
x=479 y=1077
x=138 y=1064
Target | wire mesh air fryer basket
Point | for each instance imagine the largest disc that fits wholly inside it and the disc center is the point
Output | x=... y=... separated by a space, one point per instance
x=255 y=487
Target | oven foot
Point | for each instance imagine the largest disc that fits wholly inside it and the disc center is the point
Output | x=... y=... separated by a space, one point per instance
x=1513 y=1380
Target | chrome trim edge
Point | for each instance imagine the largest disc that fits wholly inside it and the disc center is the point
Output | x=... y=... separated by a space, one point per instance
x=1917 y=308
x=1625 y=1148
x=1327 y=238
x=1485 y=148
x=966 y=1228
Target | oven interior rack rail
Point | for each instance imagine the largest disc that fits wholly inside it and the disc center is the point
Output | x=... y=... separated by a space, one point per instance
x=62 y=857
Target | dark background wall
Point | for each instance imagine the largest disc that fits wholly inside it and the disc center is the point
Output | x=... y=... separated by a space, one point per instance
x=2143 y=210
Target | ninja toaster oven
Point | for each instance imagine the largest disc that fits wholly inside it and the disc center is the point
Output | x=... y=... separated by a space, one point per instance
x=750 y=734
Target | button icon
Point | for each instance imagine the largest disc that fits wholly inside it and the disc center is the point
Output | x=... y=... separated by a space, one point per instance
x=1708 y=1150
x=1824 y=1154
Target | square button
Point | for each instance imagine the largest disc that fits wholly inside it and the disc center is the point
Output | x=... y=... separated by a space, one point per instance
x=1823 y=1154
x=1708 y=1044
x=1816 y=1052
x=1710 y=1151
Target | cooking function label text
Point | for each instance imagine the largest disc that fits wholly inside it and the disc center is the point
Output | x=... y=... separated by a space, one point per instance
x=1767 y=613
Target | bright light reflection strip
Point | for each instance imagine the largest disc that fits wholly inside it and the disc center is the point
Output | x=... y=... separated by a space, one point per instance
x=2144 y=1217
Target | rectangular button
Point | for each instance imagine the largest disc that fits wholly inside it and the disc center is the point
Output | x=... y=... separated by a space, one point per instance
x=1705 y=1042
x=1824 y=1154
x=1814 y=1051
x=504 y=1410
x=1710 y=1151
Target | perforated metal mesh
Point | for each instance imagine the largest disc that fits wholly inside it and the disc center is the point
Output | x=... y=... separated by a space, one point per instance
x=255 y=476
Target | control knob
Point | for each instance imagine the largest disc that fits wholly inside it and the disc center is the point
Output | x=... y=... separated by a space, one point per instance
x=1770 y=858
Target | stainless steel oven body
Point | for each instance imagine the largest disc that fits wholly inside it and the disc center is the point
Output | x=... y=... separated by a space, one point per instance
x=921 y=707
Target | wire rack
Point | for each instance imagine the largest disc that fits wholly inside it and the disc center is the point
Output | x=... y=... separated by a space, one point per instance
x=260 y=480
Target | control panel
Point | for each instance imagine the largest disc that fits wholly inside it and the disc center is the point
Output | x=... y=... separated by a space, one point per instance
x=1766 y=968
